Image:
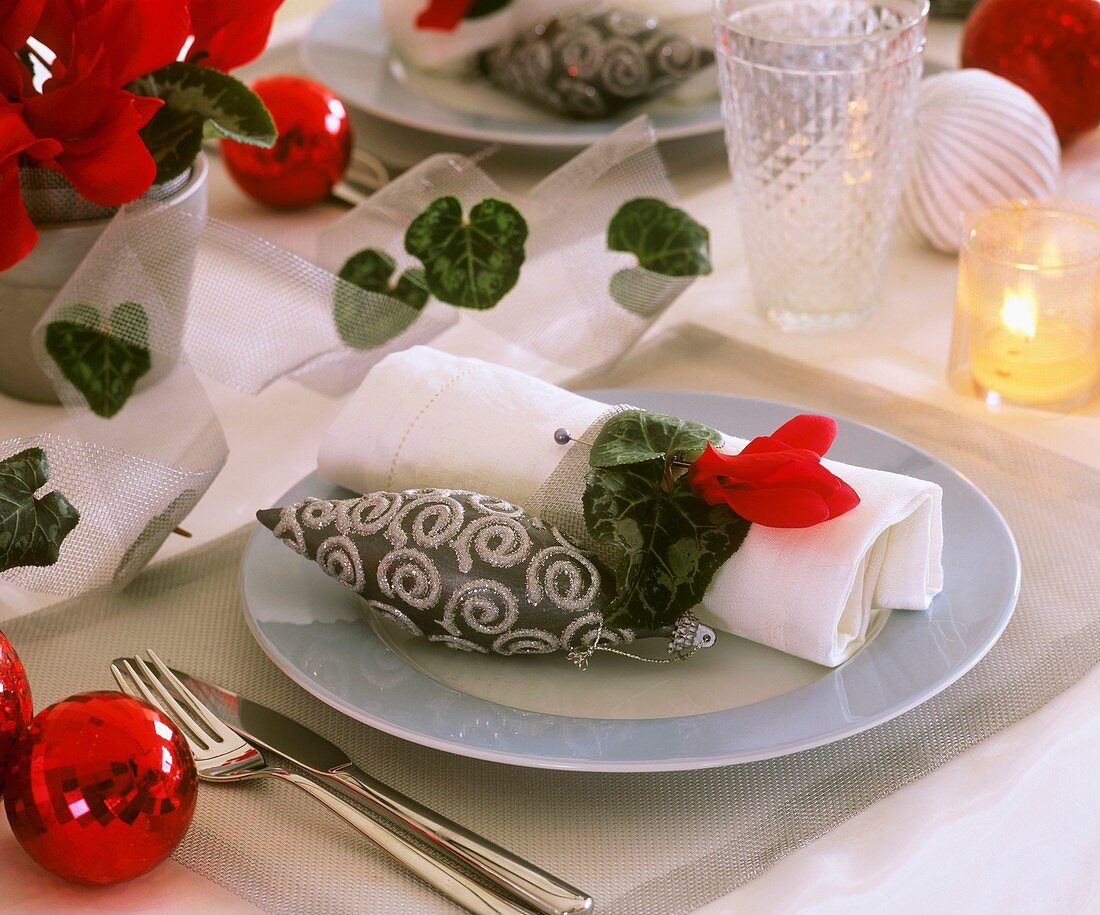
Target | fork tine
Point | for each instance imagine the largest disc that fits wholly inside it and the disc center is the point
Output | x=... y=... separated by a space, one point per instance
x=164 y=700
x=123 y=681
x=215 y=724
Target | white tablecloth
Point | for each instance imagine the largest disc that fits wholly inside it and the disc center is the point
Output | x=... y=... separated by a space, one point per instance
x=1013 y=825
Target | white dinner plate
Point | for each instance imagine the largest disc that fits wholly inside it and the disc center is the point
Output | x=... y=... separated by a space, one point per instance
x=732 y=703
x=349 y=50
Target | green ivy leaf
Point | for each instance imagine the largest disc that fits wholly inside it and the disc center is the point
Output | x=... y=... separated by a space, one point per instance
x=669 y=540
x=154 y=534
x=357 y=324
x=198 y=102
x=665 y=239
x=97 y=361
x=634 y=436
x=31 y=530
x=672 y=543
x=469 y=264
x=481 y=8
x=632 y=288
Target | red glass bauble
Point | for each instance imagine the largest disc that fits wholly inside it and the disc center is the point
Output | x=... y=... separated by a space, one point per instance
x=15 y=702
x=1051 y=48
x=312 y=151
x=101 y=788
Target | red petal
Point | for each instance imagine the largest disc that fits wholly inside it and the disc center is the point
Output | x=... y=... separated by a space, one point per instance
x=15 y=79
x=15 y=135
x=131 y=37
x=57 y=29
x=843 y=500
x=804 y=475
x=19 y=235
x=779 y=507
x=67 y=112
x=230 y=33
x=443 y=15
x=808 y=430
x=17 y=20
x=104 y=158
x=143 y=35
x=113 y=174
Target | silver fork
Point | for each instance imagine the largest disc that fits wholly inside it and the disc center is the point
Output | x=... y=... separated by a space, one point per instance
x=222 y=755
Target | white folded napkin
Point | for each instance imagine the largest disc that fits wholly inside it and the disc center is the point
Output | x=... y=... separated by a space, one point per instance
x=431 y=49
x=424 y=418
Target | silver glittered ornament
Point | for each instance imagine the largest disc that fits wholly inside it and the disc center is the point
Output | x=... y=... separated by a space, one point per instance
x=468 y=571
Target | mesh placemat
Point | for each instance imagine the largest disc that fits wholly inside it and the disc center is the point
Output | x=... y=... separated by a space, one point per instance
x=642 y=843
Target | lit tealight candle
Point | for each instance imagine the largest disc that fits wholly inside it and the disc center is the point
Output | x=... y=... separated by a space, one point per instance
x=1027 y=313
x=1031 y=358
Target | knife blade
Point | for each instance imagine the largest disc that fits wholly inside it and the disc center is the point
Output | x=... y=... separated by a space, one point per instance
x=280 y=734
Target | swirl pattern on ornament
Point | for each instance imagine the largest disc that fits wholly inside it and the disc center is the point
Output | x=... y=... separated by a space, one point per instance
x=463 y=569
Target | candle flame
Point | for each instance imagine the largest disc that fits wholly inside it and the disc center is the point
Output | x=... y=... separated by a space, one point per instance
x=1020 y=314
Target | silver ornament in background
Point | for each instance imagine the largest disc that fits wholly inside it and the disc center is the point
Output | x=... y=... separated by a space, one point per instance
x=466 y=570
x=594 y=61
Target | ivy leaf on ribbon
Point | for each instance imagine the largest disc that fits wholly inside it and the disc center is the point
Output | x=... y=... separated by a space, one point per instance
x=670 y=541
x=199 y=102
x=665 y=239
x=103 y=364
x=481 y=8
x=154 y=534
x=635 y=436
x=31 y=530
x=359 y=326
x=471 y=264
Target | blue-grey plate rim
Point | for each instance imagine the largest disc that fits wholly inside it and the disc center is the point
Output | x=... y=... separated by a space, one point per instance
x=378 y=93
x=915 y=656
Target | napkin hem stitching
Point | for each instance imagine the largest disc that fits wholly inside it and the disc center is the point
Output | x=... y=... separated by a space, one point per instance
x=454 y=379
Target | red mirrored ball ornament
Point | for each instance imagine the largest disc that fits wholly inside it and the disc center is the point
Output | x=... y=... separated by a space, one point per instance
x=312 y=151
x=1051 y=48
x=101 y=788
x=15 y=703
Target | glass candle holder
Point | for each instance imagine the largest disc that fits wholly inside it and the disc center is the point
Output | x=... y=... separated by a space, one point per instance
x=1027 y=307
x=818 y=99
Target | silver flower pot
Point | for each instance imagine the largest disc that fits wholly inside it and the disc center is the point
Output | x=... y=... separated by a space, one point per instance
x=28 y=288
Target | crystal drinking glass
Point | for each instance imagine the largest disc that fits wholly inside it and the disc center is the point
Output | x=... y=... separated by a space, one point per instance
x=818 y=99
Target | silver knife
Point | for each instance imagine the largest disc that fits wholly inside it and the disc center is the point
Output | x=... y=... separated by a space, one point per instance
x=285 y=736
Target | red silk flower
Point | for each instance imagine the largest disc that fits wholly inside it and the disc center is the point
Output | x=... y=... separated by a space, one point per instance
x=229 y=33
x=777 y=480
x=443 y=15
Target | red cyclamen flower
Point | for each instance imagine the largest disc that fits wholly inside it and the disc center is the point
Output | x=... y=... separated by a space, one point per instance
x=229 y=33
x=777 y=480
x=443 y=15
x=120 y=40
x=84 y=123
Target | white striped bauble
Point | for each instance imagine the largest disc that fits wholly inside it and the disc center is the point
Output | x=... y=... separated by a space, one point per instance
x=978 y=140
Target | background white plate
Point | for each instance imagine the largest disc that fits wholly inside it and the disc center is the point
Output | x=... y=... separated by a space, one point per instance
x=349 y=50
x=733 y=703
